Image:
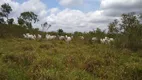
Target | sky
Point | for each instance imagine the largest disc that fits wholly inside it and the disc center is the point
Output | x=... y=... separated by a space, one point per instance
x=74 y=15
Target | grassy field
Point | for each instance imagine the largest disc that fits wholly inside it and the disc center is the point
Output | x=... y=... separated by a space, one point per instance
x=22 y=59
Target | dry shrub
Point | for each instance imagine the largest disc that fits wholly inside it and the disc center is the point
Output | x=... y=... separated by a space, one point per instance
x=132 y=73
x=27 y=48
x=36 y=70
x=92 y=65
x=3 y=74
x=61 y=42
x=44 y=63
x=46 y=46
x=19 y=59
x=70 y=61
x=9 y=57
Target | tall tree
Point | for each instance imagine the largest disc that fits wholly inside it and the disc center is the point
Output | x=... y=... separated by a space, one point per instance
x=27 y=18
x=20 y=21
x=131 y=32
x=99 y=33
x=5 y=10
x=60 y=31
x=2 y=21
x=10 y=21
x=112 y=27
x=45 y=26
x=1 y=18
x=129 y=23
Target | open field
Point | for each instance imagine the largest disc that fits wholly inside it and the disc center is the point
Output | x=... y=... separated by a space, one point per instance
x=22 y=59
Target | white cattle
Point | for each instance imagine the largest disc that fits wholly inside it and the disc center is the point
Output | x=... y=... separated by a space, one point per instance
x=111 y=39
x=94 y=39
x=72 y=37
x=25 y=36
x=50 y=37
x=103 y=41
x=61 y=37
x=68 y=39
x=39 y=36
x=53 y=37
x=29 y=36
x=81 y=37
x=106 y=40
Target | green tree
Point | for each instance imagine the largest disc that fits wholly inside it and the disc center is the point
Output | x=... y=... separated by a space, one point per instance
x=112 y=28
x=2 y=21
x=60 y=31
x=5 y=10
x=130 y=23
x=131 y=32
x=76 y=33
x=10 y=21
x=1 y=18
x=99 y=33
x=45 y=26
x=20 y=21
x=27 y=18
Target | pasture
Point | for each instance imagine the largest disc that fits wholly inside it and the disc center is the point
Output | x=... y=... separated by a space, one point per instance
x=22 y=59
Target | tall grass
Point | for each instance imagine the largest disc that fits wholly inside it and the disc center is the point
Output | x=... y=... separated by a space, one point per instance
x=22 y=59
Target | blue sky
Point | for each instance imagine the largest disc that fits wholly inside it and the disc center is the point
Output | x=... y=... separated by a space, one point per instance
x=88 y=5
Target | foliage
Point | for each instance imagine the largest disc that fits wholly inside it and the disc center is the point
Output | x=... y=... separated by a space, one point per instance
x=60 y=32
x=129 y=32
x=45 y=26
x=5 y=10
x=2 y=21
x=11 y=31
x=20 y=21
x=16 y=31
x=10 y=21
x=112 y=28
x=27 y=18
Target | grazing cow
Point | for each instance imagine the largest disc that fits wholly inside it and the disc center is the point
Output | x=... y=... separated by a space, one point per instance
x=29 y=36
x=68 y=39
x=49 y=37
x=81 y=37
x=39 y=36
x=94 y=39
x=61 y=37
x=106 y=40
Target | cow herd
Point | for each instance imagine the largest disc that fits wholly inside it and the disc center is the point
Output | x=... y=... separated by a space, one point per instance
x=105 y=40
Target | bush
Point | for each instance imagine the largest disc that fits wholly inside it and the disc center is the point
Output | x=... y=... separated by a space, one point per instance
x=129 y=33
x=17 y=31
x=11 y=31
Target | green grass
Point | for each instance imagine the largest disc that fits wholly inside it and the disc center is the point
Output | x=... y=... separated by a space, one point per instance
x=22 y=59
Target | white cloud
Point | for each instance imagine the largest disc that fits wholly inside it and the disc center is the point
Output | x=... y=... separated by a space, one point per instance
x=69 y=3
x=53 y=10
x=117 y=7
x=76 y=20
x=68 y=19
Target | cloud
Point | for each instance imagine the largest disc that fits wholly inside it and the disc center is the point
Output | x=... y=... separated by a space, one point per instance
x=69 y=3
x=76 y=20
x=118 y=7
